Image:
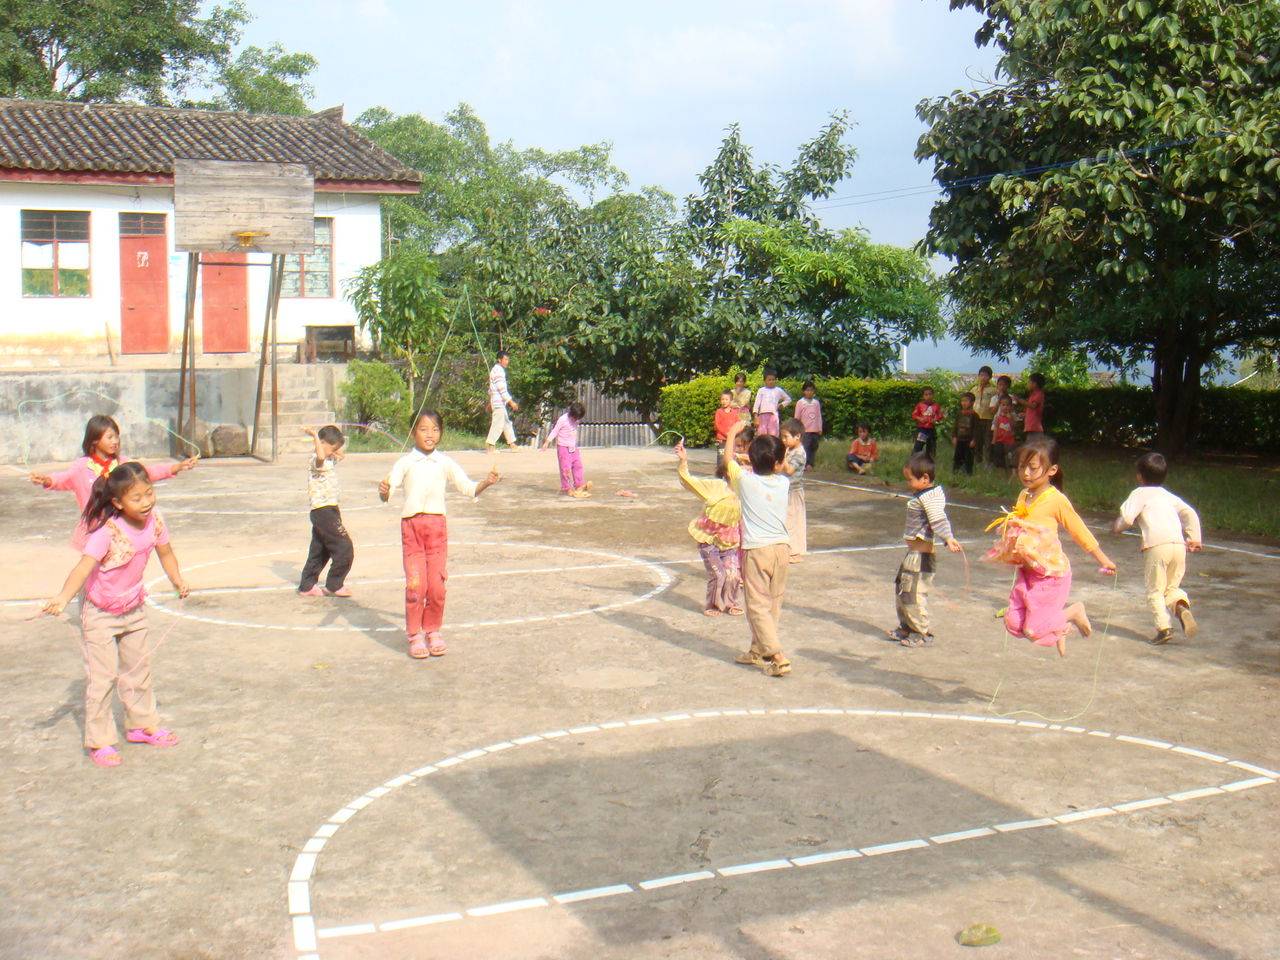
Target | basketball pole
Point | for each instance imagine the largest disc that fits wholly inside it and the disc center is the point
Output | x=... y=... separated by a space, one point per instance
x=269 y=333
x=187 y=368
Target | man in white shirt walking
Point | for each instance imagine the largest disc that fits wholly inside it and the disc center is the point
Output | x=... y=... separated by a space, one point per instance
x=499 y=400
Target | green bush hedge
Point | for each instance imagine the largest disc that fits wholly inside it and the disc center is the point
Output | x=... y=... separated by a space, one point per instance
x=1230 y=418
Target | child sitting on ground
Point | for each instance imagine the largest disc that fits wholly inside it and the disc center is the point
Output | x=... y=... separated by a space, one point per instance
x=330 y=542
x=718 y=533
x=926 y=519
x=1169 y=529
x=793 y=466
x=863 y=452
x=565 y=434
x=765 y=547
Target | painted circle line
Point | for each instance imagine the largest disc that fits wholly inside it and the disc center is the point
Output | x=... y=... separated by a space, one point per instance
x=665 y=580
x=307 y=935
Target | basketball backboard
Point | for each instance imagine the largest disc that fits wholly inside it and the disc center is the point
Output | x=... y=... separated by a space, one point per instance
x=233 y=205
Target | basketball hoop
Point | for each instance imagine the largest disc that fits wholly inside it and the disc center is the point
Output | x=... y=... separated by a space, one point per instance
x=248 y=238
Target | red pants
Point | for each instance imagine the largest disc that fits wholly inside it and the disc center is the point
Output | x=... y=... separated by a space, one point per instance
x=425 y=542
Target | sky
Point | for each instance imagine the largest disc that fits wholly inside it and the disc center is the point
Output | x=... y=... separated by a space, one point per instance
x=661 y=81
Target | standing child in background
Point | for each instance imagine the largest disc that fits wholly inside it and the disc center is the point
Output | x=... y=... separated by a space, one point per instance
x=1033 y=420
x=122 y=528
x=101 y=446
x=423 y=472
x=809 y=413
x=964 y=435
x=793 y=466
x=330 y=542
x=984 y=404
x=863 y=452
x=1169 y=529
x=1003 y=433
x=769 y=400
x=763 y=495
x=565 y=434
x=1029 y=538
x=926 y=520
x=742 y=396
x=718 y=533
x=927 y=416
x=725 y=417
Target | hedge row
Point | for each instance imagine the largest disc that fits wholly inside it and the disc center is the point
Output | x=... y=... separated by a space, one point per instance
x=1230 y=418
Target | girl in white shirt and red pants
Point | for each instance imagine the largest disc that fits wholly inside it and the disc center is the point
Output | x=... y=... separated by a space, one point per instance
x=423 y=473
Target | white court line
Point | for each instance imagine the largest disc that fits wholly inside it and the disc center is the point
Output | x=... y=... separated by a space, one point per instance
x=993 y=511
x=306 y=934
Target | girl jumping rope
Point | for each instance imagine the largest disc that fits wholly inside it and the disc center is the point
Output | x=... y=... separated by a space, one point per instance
x=718 y=533
x=423 y=473
x=122 y=528
x=101 y=447
x=1029 y=539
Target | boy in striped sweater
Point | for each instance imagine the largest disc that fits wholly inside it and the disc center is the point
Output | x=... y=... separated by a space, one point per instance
x=926 y=519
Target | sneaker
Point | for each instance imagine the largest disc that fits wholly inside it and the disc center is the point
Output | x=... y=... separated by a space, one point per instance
x=1186 y=618
x=750 y=658
x=1163 y=636
x=899 y=633
x=343 y=591
x=315 y=591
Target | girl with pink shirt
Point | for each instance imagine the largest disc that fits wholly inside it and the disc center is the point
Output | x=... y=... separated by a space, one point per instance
x=122 y=529
x=101 y=447
x=565 y=434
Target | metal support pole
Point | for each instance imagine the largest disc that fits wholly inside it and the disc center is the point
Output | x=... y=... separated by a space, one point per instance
x=277 y=275
x=273 y=297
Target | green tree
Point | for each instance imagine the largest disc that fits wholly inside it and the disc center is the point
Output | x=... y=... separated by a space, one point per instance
x=1117 y=189
x=265 y=81
x=400 y=302
x=98 y=51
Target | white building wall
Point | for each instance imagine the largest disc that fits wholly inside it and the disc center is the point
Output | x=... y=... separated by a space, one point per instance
x=79 y=326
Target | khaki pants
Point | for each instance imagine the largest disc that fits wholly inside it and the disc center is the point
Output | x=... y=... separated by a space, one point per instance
x=500 y=426
x=764 y=579
x=116 y=654
x=1165 y=566
x=797 y=521
x=911 y=591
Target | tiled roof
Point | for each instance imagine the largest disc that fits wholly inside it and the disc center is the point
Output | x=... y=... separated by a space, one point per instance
x=120 y=138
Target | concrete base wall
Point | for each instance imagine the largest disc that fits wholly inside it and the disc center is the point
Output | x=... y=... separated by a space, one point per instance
x=43 y=413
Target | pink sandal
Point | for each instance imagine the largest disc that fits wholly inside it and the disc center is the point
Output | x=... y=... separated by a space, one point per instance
x=435 y=645
x=105 y=756
x=418 y=648
x=161 y=738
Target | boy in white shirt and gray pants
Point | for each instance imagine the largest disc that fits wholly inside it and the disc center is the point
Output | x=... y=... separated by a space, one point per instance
x=1169 y=529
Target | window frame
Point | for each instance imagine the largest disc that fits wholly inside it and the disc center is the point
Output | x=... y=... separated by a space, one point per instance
x=300 y=271
x=55 y=270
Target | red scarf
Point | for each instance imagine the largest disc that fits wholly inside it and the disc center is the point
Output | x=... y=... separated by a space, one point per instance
x=100 y=466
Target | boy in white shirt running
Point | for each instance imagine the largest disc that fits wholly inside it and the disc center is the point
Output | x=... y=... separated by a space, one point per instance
x=1169 y=529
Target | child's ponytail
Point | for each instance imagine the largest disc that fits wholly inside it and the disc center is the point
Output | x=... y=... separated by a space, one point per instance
x=107 y=489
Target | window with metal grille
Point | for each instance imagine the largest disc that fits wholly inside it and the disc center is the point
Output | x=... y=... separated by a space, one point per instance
x=142 y=224
x=55 y=253
x=311 y=274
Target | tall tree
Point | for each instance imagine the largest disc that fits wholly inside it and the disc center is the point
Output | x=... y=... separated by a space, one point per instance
x=1117 y=188
x=265 y=81
x=98 y=51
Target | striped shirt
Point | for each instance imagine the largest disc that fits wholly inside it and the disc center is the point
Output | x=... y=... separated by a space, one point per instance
x=498 y=395
x=927 y=516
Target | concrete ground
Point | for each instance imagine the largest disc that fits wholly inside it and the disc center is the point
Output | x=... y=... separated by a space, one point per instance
x=587 y=774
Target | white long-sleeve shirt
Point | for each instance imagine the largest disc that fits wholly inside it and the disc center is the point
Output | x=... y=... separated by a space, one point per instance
x=498 y=395
x=424 y=478
x=1162 y=517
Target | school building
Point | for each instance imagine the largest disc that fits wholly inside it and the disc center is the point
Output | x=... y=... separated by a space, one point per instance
x=91 y=282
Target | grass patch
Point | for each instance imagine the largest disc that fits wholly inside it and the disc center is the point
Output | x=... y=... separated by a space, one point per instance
x=1236 y=495
x=370 y=440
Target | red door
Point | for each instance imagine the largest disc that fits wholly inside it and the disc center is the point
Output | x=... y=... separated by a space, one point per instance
x=144 y=283
x=224 y=304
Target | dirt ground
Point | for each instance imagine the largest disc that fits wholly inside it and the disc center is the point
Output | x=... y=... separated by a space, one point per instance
x=588 y=738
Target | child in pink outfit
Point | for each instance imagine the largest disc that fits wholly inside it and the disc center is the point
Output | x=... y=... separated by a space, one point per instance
x=565 y=434
x=770 y=399
x=123 y=529
x=101 y=447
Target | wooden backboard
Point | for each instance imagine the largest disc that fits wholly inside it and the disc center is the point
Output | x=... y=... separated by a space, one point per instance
x=215 y=199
